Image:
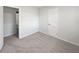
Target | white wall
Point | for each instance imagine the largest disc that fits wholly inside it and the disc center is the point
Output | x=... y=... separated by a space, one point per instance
x=43 y=22
x=68 y=23
x=28 y=20
x=9 y=21
x=1 y=27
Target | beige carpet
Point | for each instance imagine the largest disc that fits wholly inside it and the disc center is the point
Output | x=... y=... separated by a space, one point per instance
x=37 y=43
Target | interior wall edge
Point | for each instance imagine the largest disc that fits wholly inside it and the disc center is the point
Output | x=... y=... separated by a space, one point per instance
x=1 y=28
x=28 y=34
x=1 y=45
x=9 y=34
x=72 y=42
x=60 y=38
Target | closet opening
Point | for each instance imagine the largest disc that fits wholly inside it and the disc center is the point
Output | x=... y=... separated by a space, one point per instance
x=11 y=21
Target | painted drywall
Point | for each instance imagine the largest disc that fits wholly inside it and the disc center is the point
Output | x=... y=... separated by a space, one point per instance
x=67 y=23
x=9 y=21
x=1 y=27
x=43 y=22
x=28 y=20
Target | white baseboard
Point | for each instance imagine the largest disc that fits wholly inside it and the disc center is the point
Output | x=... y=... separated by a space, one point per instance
x=9 y=34
x=77 y=44
x=68 y=41
x=44 y=32
x=20 y=37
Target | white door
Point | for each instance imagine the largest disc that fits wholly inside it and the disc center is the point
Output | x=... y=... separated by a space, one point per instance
x=52 y=21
